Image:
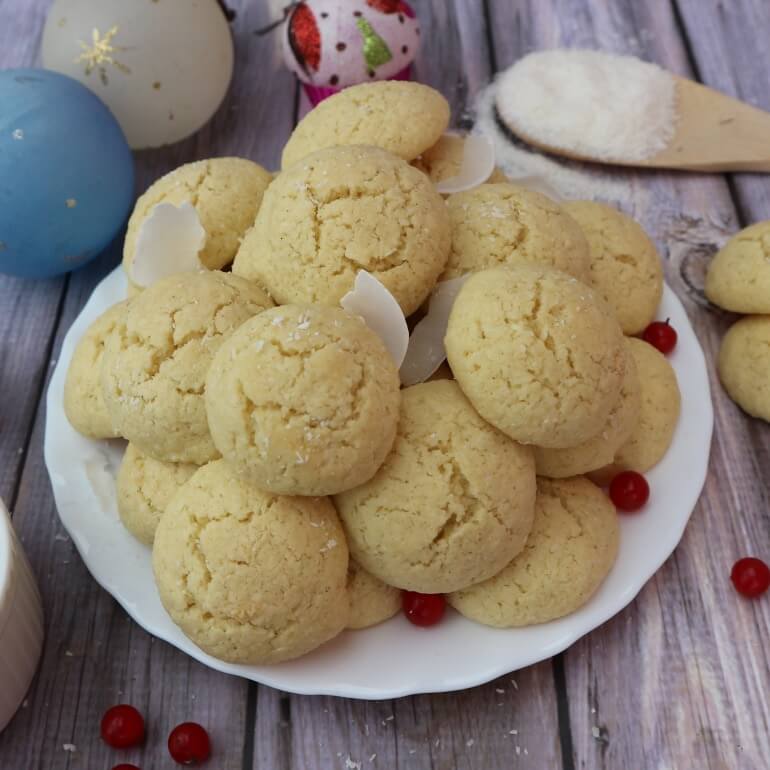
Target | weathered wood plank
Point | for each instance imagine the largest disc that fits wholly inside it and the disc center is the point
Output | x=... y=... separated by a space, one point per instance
x=679 y=679
x=113 y=660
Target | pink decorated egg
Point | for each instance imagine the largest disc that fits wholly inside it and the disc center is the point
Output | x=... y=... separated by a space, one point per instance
x=331 y=44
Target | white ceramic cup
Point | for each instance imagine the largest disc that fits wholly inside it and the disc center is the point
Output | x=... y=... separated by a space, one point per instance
x=21 y=621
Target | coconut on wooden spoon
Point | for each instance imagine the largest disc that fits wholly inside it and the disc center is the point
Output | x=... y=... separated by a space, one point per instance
x=605 y=108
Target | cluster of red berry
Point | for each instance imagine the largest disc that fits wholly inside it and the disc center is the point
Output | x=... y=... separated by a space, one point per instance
x=123 y=726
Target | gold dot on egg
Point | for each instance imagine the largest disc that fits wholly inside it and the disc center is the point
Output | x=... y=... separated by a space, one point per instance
x=62 y=21
x=156 y=85
x=71 y=203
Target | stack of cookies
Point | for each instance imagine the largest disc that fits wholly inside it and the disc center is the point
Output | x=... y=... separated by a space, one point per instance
x=738 y=280
x=288 y=485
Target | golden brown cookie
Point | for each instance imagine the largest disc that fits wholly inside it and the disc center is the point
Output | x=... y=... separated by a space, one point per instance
x=83 y=400
x=342 y=210
x=537 y=353
x=625 y=265
x=744 y=365
x=738 y=277
x=303 y=400
x=599 y=450
x=371 y=600
x=401 y=117
x=502 y=224
x=226 y=193
x=249 y=576
x=453 y=502
x=156 y=359
x=144 y=488
x=571 y=549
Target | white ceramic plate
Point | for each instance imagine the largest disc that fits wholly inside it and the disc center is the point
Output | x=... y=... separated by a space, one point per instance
x=394 y=658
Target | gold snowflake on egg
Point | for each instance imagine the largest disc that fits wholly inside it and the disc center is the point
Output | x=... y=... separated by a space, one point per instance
x=100 y=54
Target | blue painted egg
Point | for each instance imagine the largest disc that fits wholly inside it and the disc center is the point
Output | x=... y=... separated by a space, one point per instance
x=66 y=174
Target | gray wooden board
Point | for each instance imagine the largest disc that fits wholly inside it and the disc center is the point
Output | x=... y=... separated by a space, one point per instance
x=679 y=679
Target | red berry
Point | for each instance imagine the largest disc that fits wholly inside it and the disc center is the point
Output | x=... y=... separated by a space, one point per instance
x=629 y=491
x=125 y=767
x=189 y=744
x=423 y=609
x=122 y=726
x=750 y=576
x=661 y=336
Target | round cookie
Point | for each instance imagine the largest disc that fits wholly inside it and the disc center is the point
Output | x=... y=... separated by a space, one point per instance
x=303 y=400
x=502 y=224
x=226 y=193
x=571 y=549
x=744 y=365
x=144 y=488
x=738 y=277
x=600 y=449
x=249 y=576
x=658 y=414
x=401 y=117
x=83 y=400
x=371 y=600
x=538 y=354
x=156 y=359
x=625 y=265
x=453 y=502
x=342 y=210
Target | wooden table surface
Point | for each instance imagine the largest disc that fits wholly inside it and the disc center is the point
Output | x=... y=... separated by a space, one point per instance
x=679 y=680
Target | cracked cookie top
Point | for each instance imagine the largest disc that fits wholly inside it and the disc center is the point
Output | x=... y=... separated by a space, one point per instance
x=451 y=505
x=502 y=224
x=144 y=488
x=83 y=400
x=738 y=277
x=249 y=576
x=303 y=400
x=156 y=359
x=538 y=354
x=571 y=549
x=625 y=266
x=342 y=210
x=402 y=117
x=226 y=193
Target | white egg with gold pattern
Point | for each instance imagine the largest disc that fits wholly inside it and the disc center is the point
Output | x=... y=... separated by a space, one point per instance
x=161 y=66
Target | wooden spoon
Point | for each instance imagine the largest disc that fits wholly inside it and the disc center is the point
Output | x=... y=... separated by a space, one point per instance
x=714 y=132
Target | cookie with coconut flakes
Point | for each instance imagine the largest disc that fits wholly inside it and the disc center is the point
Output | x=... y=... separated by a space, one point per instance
x=249 y=576
x=502 y=224
x=451 y=504
x=537 y=353
x=401 y=117
x=657 y=418
x=341 y=210
x=625 y=265
x=744 y=365
x=156 y=359
x=738 y=277
x=570 y=551
x=600 y=449
x=226 y=194
x=303 y=400
x=83 y=399
x=371 y=600
x=144 y=488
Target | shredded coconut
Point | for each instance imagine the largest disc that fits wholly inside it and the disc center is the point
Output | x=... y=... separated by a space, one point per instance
x=525 y=167
x=590 y=103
